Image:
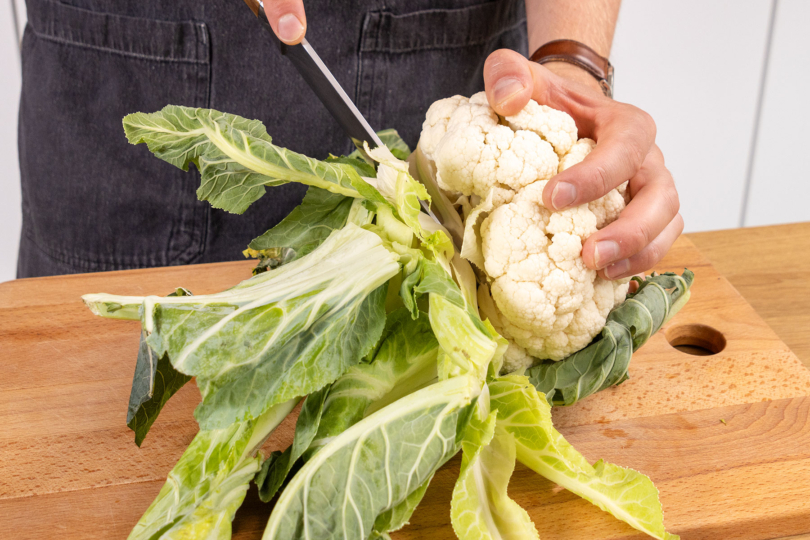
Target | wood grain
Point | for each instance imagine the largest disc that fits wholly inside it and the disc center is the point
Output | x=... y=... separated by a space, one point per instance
x=69 y=466
x=770 y=266
x=708 y=495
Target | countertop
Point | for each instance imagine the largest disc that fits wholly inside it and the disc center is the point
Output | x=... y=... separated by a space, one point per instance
x=705 y=428
x=770 y=267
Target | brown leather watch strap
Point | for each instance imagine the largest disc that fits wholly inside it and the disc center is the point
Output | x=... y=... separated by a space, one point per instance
x=579 y=54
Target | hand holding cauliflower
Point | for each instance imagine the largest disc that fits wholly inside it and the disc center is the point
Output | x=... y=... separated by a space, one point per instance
x=543 y=297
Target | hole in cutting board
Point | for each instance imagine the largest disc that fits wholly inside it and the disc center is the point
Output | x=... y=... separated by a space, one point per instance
x=696 y=339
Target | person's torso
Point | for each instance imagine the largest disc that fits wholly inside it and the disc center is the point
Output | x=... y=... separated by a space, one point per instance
x=87 y=63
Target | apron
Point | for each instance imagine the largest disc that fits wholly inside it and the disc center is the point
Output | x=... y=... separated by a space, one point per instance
x=92 y=202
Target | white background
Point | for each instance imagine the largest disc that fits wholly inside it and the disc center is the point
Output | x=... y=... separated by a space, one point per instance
x=726 y=81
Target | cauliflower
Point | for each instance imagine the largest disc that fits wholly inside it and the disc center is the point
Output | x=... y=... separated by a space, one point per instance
x=576 y=153
x=474 y=153
x=551 y=304
x=554 y=126
x=538 y=293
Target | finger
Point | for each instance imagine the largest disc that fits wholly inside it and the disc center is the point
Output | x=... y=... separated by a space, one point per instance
x=653 y=207
x=507 y=81
x=625 y=135
x=287 y=19
x=647 y=257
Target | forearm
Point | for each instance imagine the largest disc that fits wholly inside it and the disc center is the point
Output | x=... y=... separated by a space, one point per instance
x=591 y=22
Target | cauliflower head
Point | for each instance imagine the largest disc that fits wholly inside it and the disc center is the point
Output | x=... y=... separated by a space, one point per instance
x=475 y=153
x=538 y=292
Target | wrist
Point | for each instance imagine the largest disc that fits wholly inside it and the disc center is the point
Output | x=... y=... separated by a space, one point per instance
x=575 y=74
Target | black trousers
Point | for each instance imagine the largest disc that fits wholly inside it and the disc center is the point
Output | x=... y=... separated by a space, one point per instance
x=92 y=202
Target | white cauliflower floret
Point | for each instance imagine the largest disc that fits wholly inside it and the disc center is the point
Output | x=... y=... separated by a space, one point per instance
x=540 y=295
x=550 y=303
x=515 y=357
x=555 y=126
x=435 y=125
x=577 y=153
x=477 y=154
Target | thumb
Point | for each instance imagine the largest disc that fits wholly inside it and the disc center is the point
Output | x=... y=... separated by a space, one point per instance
x=287 y=19
x=508 y=81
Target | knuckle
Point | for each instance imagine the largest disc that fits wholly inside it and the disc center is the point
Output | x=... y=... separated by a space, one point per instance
x=610 y=111
x=656 y=152
x=629 y=158
x=642 y=120
x=679 y=224
x=672 y=201
x=647 y=122
x=643 y=236
x=600 y=182
x=650 y=256
x=636 y=153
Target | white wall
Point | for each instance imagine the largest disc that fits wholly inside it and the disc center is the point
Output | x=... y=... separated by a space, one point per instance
x=727 y=88
x=10 y=213
x=780 y=184
x=695 y=66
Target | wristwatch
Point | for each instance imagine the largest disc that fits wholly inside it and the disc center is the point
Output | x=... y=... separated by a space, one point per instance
x=578 y=54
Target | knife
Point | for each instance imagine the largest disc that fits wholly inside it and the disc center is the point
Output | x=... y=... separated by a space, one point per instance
x=323 y=83
x=331 y=94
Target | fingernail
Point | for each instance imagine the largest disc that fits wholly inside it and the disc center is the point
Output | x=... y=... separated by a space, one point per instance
x=506 y=88
x=289 y=27
x=605 y=252
x=617 y=269
x=563 y=195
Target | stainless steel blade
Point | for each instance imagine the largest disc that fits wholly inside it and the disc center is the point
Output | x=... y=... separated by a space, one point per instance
x=323 y=83
x=331 y=94
x=329 y=91
x=335 y=99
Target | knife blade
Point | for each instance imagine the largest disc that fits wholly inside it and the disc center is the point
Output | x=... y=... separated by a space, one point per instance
x=331 y=94
x=334 y=98
x=323 y=83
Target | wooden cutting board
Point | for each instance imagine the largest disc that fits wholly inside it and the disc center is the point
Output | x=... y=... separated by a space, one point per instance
x=726 y=437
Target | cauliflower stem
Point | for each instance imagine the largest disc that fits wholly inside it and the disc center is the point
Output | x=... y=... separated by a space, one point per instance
x=605 y=360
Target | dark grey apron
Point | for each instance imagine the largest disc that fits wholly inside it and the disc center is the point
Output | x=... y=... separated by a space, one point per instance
x=92 y=202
